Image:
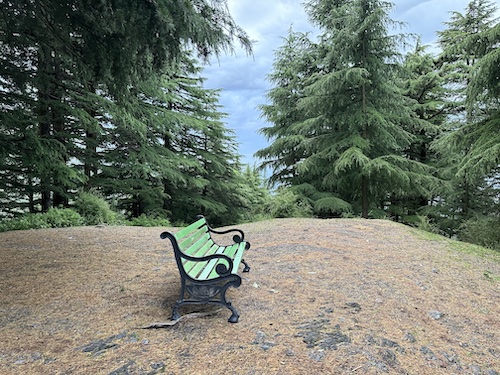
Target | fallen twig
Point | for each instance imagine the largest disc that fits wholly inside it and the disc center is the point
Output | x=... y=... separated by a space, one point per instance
x=183 y=317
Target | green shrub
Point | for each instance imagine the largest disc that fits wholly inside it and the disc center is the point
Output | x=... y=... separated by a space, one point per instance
x=94 y=209
x=483 y=231
x=54 y=218
x=63 y=217
x=149 y=221
x=424 y=223
x=287 y=204
x=27 y=221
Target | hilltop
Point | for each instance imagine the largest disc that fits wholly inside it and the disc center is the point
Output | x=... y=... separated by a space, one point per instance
x=338 y=296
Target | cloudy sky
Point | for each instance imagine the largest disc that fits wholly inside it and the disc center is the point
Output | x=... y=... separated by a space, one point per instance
x=243 y=78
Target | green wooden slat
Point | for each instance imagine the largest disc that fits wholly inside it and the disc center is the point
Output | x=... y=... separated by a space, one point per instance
x=211 y=265
x=190 y=228
x=195 y=247
x=238 y=257
x=190 y=239
x=235 y=252
x=202 y=251
x=194 y=271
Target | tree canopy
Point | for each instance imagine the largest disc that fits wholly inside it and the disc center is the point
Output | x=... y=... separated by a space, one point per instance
x=358 y=127
x=107 y=96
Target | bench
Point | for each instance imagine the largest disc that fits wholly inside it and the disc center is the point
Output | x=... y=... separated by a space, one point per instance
x=207 y=269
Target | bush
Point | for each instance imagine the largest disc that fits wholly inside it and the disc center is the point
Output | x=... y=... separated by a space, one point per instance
x=149 y=221
x=54 y=218
x=27 y=221
x=481 y=231
x=287 y=204
x=94 y=209
x=62 y=218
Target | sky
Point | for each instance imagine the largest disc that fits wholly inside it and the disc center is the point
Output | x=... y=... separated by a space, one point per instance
x=243 y=79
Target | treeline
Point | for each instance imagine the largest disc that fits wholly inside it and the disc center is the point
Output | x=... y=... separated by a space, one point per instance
x=106 y=97
x=104 y=117
x=358 y=128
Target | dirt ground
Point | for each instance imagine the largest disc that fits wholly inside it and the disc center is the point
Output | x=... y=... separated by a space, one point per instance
x=346 y=296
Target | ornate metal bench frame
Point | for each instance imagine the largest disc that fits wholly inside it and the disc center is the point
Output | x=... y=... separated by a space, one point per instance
x=207 y=291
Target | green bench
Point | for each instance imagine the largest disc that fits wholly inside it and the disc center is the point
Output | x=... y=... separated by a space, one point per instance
x=207 y=269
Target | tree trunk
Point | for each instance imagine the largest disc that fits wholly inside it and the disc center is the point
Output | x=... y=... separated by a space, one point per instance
x=364 y=197
x=44 y=121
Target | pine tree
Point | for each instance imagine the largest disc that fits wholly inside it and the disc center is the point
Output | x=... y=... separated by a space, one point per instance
x=354 y=113
x=422 y=82
x=294 y=62
x=483 y=157
x=469 y=136
x=68 y=66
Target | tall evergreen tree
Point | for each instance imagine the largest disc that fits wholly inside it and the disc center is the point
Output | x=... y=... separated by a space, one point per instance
x=422 y=82
x=464 y=43
x=68 y=65
x=294 y=62
x=354 y=114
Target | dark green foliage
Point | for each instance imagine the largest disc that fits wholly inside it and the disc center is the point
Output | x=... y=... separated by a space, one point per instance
x=482 y=231
x=94 y=209
x=53 y=218
x=359 y=130
x=294 y=62
x=286 y=203
x=255 y=195
x=102 y=95
x=341 y=123
x=468 y=148
x=149 y=221
x=63 y=217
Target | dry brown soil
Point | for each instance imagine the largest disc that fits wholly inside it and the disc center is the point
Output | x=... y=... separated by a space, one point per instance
x=344 y=296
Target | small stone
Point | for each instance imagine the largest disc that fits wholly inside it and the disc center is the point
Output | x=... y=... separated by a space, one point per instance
x=267 y=345
x=409 y=337
x=36 y=356
x=389 y=343
x=356 y=307
x=429 y=354
x=476 y=370
x=452 y=358
x=436 y=315
x=157 y=365
x=259 y=338
x=389 y=358
x=317 y=355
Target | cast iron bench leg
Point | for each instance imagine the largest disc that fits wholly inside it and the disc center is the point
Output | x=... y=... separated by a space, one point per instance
x=175 y=311
x=247 y=267
x=235 y=316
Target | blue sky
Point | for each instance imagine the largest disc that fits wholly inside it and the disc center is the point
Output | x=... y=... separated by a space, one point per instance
x=243 y=79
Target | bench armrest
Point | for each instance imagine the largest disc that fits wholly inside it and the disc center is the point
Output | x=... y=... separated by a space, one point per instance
x=221 y=268
x=237 y=238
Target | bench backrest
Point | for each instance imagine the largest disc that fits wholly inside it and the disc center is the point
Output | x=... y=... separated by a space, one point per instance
x=194 y=237
x=194 y=243
x=195 y=240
